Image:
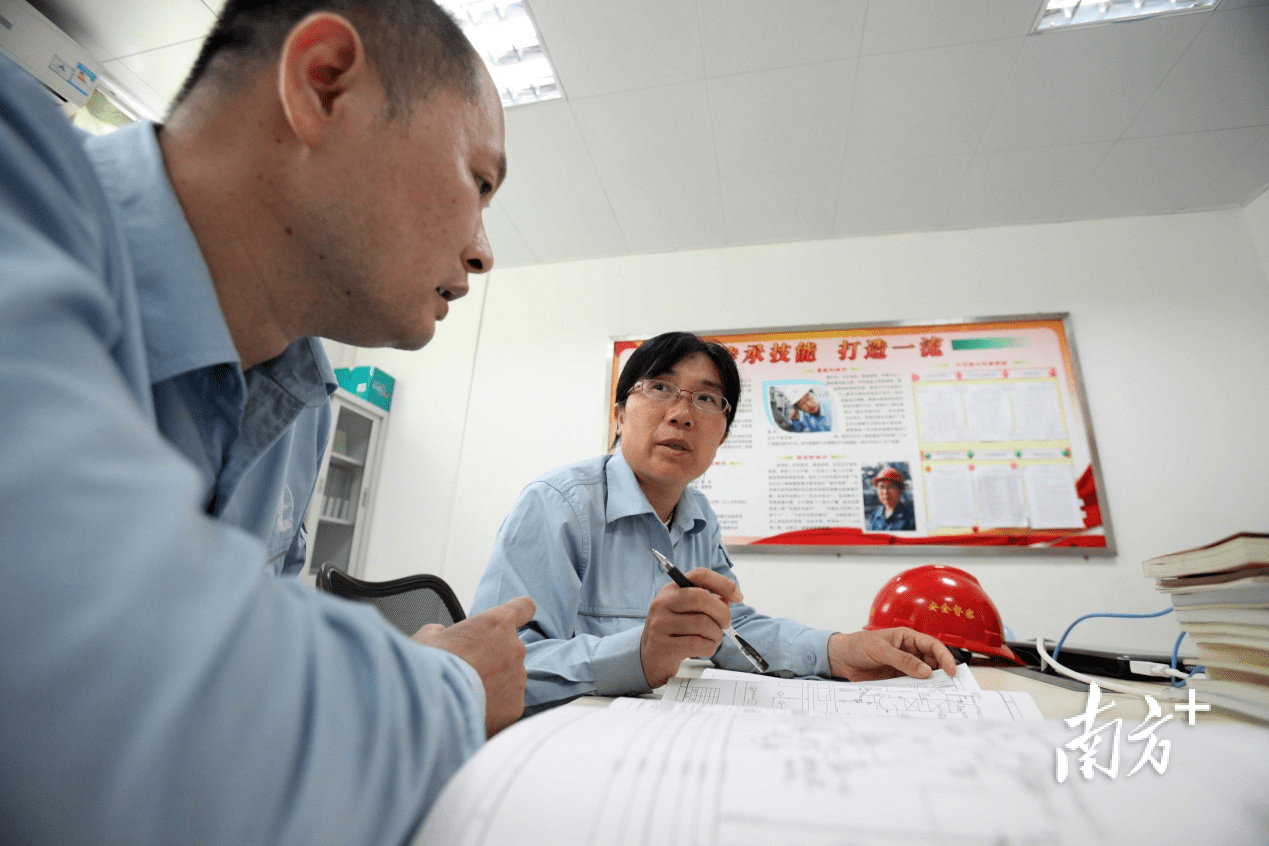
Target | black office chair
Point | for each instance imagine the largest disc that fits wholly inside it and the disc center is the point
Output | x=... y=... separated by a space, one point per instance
x=408 y=603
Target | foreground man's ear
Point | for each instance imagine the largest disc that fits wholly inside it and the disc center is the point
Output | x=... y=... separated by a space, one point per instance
x=322 y=62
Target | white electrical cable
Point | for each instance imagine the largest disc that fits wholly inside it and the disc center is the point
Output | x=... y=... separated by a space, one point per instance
x=1154 y=668
x=1157 y=693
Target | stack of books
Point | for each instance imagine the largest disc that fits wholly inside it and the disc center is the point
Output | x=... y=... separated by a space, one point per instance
x=1220 y=593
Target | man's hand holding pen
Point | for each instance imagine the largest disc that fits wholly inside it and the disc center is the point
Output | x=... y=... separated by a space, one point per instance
x=689 y=617
x=686 y=623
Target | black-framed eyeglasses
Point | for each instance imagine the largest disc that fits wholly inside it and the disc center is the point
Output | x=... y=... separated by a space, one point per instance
x=706 y=401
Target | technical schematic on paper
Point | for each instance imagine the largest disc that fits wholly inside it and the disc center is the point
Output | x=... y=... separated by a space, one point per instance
x=720 y=777
x=944 y=700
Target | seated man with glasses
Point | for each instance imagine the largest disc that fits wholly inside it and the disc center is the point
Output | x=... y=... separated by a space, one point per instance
x=579 y=542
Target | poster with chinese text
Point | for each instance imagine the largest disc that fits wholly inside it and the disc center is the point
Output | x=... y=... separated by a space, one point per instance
x=966 y=435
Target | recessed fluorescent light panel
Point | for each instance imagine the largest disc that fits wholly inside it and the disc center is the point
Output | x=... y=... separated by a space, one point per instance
x=506 y=38
x=1068 y=13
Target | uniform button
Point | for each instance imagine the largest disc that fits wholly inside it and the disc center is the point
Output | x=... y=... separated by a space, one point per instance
x=808 y=658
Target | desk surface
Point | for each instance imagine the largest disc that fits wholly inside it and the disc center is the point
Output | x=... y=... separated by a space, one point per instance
x=1058 y=702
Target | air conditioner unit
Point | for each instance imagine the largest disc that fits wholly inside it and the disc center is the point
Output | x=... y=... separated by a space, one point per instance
x=49 y=54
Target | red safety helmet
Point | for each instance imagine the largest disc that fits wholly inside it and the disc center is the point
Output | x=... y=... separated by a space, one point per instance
x=888 y=475
x=945 y=603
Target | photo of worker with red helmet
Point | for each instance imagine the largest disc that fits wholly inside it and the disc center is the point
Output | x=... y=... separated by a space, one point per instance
x=894 y=511
x=804 y=407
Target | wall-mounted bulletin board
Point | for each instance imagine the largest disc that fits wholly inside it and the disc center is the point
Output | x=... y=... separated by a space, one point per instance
x=969 y=436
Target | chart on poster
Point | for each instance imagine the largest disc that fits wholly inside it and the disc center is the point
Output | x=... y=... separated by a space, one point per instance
x=963 y=435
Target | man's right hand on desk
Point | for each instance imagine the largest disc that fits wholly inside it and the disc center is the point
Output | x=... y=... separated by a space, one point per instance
x=489 y=643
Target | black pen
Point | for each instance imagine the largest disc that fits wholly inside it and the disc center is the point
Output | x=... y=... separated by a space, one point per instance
x=745 y=649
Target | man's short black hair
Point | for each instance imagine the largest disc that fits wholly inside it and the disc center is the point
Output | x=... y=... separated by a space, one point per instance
x=658 y=355
x=414 y=46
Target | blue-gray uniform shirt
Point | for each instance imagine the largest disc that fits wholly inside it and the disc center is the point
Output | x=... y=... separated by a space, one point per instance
x=160 y=684
x=806 y=422
x=257 y=438
x=902 y=519
x=578 y=542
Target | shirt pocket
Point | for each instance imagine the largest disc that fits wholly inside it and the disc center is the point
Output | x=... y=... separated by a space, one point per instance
x=605 y=623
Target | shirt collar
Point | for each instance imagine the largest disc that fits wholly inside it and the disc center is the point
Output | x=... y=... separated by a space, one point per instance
x=303 y=370
x=626 y=498
x=185 y=328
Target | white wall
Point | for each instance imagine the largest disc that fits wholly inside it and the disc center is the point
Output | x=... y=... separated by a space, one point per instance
x=414 y=496
x=1257 y=216
x=1168 y=315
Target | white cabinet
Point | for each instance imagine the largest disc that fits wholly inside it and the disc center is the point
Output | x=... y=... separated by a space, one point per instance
x=338 y=517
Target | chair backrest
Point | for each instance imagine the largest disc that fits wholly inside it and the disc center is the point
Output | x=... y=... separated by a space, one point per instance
x=408 y=603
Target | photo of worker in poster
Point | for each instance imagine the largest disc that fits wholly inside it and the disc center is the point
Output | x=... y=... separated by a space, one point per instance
x=887 y=492
x=801 y=407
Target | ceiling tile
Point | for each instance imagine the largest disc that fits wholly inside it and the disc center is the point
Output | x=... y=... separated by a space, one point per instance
x=508 y=245
x=545 y=150
x=605 y=46
x=794 y=205
x=669 y=216
x=1242 y=181
x=165 y=69
x=552 y=196
x=661 y=134
x=893 y=196
x=739 y=36
x=1222 y=81
x=566 y=223
x=1023 y=186
x=1083 y=85
x=928 y=103
x=127 y=28
x=1160 y=174
x=770 y=121
x=901 y=25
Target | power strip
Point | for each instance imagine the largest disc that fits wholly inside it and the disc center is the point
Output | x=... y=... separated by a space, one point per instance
x=1140 y=666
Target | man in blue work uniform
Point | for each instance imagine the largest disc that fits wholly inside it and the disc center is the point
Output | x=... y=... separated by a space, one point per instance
x=806 y=412
x=894 y=514
x=322 y=174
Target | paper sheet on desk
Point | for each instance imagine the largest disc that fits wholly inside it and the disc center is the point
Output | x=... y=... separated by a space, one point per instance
x=962 y=682
x=661 y=777
x=938 y=697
